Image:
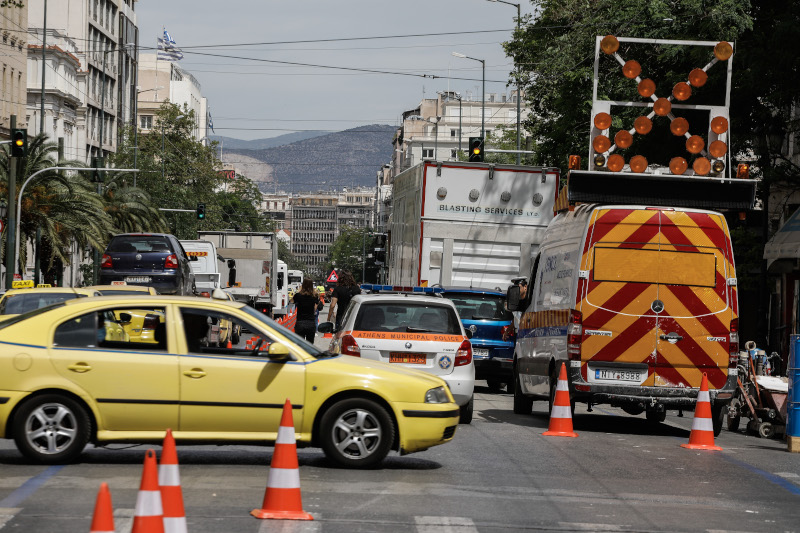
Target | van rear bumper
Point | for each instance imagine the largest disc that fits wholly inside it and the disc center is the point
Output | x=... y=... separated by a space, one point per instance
x=616 y=395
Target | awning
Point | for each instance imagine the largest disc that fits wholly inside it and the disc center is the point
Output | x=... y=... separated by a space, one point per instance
x=785 y=244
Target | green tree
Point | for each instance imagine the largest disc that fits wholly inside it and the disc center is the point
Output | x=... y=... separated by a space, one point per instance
x=349 y=250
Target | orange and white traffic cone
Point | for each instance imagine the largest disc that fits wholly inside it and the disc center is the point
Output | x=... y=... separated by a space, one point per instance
x=561 y=414
x=169 y=481
x=229 y=346
x=702 y=435
x=103 y=518
x=282 y=499
x=148 y=516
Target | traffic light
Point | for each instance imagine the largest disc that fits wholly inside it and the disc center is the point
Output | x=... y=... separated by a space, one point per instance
x=476 y=149
x=201 y=211
x=19 y=142
x=379 y=248
x=97 y=174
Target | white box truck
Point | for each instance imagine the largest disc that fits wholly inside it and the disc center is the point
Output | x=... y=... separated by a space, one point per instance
x=250 y=270
x=459 y=224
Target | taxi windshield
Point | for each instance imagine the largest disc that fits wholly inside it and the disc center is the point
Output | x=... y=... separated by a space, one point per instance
x=407 y=317
x=300 y=341
x=18 y=318
x=16 y=304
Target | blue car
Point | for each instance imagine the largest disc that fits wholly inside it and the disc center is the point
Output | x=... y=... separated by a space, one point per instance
x=484 y=313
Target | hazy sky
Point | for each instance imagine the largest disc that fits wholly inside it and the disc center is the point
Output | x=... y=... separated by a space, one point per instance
x=256 y=99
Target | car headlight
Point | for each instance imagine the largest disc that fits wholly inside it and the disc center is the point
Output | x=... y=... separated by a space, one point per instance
x=437 y=395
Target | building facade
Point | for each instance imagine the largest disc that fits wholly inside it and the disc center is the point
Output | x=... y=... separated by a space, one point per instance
x=13 y=58
x=314 y=228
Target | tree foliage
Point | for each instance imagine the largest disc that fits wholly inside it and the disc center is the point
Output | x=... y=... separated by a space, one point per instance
x=351 y=251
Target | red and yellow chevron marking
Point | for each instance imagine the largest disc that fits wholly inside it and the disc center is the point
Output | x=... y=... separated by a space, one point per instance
x=701 y=315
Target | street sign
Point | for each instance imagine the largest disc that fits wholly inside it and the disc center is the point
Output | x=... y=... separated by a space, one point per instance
x=333 y=278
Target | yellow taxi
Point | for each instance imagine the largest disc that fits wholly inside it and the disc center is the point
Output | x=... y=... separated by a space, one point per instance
x=66 y=383
x=24 y=296
x=139 y=325
x=122 y=288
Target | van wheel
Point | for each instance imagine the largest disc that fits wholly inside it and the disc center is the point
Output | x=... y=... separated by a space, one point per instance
x=522 y=404
x=465 y=415
x=51 y=429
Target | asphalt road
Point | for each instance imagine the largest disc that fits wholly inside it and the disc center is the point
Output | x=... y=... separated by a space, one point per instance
x=498 y=474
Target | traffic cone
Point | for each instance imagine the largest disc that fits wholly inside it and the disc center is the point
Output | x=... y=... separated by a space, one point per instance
x=169 y=481
x=229 y=345
x=282 y=499
x=702 y=435
x=103 y=519
x=148 y=514
x=561 y=414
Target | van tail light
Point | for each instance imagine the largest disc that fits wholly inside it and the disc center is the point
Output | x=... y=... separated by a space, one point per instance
x=574 y=335
x=464 y=353
x=508 y=332
x=204 y=294
x=106 y=261
x=350 y=346
x=171 y=261
x=150 y=322
x=733 y=346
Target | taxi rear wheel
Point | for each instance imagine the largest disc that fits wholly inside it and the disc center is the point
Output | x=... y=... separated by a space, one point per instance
x=51 y=429
x=356 y=433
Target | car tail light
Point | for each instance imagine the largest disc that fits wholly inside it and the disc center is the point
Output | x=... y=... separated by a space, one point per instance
x=574 y=335
x=464 y=353
x=106 y=262
x=350 y=346
x=171 y=261
x=150 y=322
x=508 y=332
x=733 y=346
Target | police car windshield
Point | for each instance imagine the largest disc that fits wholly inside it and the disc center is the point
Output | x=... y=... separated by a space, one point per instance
x=476 y=306
x=407 y=317
x=16 y=304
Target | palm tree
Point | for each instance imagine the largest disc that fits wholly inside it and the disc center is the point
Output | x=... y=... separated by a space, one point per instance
x=130 y=207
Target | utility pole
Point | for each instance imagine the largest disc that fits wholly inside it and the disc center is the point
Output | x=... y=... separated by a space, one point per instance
x=12 y=214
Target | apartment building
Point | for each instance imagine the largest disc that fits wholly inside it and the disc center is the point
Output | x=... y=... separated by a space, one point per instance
x=13 y=58
x=314 y=228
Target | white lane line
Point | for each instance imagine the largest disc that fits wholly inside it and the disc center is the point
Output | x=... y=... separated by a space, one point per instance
x=291 y=526
x=7 y=513
x=583 y=526
x=123 y=520
x=444 y=524
x=787 y=475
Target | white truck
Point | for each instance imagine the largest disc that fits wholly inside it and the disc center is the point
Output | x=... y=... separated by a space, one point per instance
x=206 y=269
x=250 y=270
x=295 y=280
x=459 y=224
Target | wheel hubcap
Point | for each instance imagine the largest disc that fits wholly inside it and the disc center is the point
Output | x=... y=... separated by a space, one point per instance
x=51 y=428
x=357 y=433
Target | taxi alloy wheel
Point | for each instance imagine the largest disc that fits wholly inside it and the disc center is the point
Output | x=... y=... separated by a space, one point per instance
x=51 y=429
x=522 y=404
x=356 y=433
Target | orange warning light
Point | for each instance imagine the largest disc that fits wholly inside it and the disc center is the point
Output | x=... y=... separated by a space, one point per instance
x=678 y=165
x=609 y=44
x=662 y=107
x=638 y=163
x=701 y=166
x=743 y=171
x=631 y=69
x=615 y=162
x=698 y=77
x=718 y=166
x=574 y=162
x=623 y=139
x=602 y=121
x=682 y=91
x=723 y=50
x=695 y=144
x=647 y=87
x=643 y=125
x=719 y=125
x=717 y=149
x=601 y=144
x=679 y=126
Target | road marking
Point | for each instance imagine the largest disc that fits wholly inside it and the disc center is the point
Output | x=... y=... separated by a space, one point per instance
x=787 y=475
x=444 y=524
x=29 y=487
x=123 y=519
x=290 y=526
x=582 y=526
x=773 y=478
x=6 y=514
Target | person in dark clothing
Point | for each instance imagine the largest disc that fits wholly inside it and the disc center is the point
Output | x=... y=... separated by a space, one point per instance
x=307 y=303
x=345 y=289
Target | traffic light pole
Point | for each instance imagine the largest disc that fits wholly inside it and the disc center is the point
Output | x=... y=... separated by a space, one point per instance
x=12 y=196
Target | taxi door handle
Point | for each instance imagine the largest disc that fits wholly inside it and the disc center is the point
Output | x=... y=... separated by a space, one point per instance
x=194 y=373
x=80 y=367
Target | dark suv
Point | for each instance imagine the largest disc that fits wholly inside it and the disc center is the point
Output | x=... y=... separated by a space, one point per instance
x=484 y=313
x=154 y=259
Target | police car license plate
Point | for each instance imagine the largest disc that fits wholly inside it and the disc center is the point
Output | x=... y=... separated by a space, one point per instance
x=138 y=279
x=480 y=353
x=619 y=375
x=408 y=358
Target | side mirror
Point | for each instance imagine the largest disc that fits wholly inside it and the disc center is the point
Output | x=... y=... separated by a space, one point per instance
x=326 y=327
x=124 y=318
x=512 y=298
x=278 y=352
x=193 y=258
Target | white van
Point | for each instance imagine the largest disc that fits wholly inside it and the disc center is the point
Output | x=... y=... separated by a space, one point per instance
x=206 y=270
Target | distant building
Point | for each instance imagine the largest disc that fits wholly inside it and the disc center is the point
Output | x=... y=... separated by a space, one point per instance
x=276 y=207
x=13 y=54
x=314 y=228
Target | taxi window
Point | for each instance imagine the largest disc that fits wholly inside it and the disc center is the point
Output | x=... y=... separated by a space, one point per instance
x=407 y=317
x=295 y=338
x=215 y=332
x=15 y=304
x=116 y=328
x=19 y=318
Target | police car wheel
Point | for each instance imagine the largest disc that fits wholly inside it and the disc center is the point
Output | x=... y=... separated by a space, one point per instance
x=51 y=429
x=465 y=415
x=522 y=404
x=356 y=433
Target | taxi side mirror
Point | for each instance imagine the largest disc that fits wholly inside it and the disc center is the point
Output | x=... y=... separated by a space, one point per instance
x=278 y=352
x=512 y=298
x=469 y=333
x=326 y=327
x=124 y=318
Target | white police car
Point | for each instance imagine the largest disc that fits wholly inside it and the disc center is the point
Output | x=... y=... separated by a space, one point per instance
x=409 y=327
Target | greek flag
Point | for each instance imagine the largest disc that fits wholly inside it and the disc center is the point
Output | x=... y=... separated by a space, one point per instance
x=211 y=122
x=167 y=50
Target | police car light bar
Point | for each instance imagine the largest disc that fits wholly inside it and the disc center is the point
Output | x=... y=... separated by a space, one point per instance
x=400 y=288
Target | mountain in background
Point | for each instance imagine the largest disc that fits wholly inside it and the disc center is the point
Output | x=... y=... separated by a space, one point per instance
x=271 y=142
x=349 y=158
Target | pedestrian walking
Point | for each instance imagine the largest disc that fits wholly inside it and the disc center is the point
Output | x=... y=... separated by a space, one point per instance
x=345 y=289
x=307 y=303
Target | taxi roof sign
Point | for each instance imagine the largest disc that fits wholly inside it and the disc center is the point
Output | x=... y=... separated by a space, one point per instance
x=22 y=284
x=118 y=282
x=333 y=278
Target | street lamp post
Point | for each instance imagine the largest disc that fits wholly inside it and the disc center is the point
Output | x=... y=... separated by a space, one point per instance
x=518 y=76
x=435 y=136
x=483 y=90
x=458 y=96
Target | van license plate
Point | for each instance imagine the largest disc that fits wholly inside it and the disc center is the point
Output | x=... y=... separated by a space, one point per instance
x=407 y=358
x=618 y=375
x=480 y=353
x=138 y=279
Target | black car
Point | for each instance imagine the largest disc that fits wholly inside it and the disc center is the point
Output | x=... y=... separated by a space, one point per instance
x=154 y=259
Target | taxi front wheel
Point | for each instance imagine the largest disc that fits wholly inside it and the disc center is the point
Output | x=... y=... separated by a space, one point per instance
x=356 y=433
x=51 y=429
